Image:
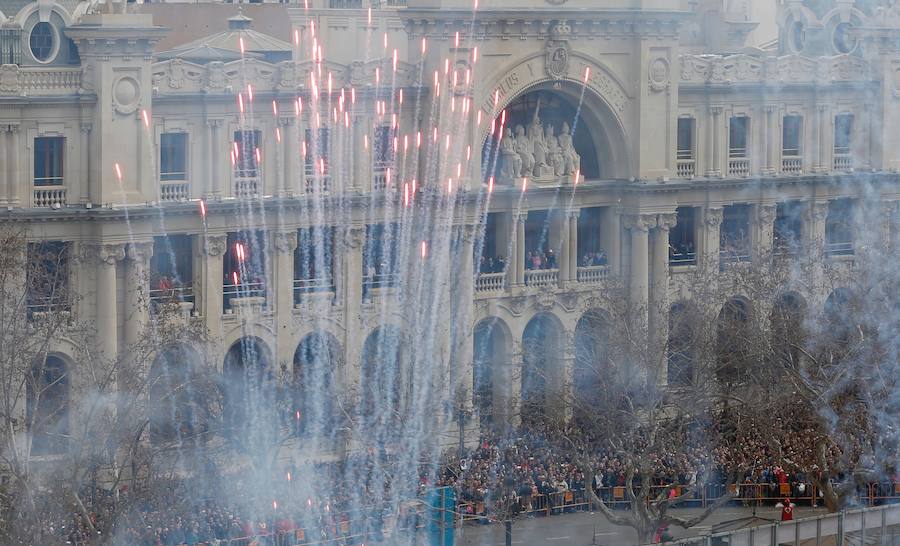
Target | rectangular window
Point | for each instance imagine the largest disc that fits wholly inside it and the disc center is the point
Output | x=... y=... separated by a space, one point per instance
x=246 y=154
x=47 y=276
x=314 y=260
x=244 y=265
x=839 y=228
x=788 y=228
x=171 y=269
x=173 y=156
x=681 y=238
x=843 y=129
x=318 y=152
x=790 y=136
x=685 y=138
x=383 y=148
x=380 y=255
x=737 y=136
x=734 y=237
x=48 y=161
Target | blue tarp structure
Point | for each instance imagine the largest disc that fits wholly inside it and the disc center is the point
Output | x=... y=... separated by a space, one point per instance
x=441 y=507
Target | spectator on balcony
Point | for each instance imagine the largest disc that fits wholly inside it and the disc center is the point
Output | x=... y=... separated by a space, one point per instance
x=551 y=260
x=499 y=264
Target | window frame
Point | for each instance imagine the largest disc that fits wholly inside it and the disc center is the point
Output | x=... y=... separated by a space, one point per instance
x=48 y=162
x=175 y=176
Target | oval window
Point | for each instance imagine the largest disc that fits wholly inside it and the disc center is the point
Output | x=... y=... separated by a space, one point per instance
x=42 y=41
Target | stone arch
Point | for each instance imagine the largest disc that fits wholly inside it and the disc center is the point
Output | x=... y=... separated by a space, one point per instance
x=249 y=390
x=592 y=355
x=175 y=405
x=732 y=347
x=383 y=382
x=837 y=318
x=787 y=325
x=543 y=341
x=603 y=102
x=48 y=404
x=682 y=344
x=491 y=369
x=316 y=359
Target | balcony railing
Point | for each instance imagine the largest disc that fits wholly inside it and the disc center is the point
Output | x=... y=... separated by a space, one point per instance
x=592 y=274
x=844 y=248
x=739 y=166
x=377 y=283
x=792 y=164
x=243 y=290
x=312 y=286
x=842 y=163
x=733 y=256
x=345 y=4
x=174 y=191
x=683 y=258
x=541 y=277
x=50 y=196
x=686 y=168
x=317 y=184
x=246 y=187
x=490 y=282
x=46 y=304
x=379 y=182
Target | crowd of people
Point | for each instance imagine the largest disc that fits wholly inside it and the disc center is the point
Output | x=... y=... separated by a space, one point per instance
x=525 y=472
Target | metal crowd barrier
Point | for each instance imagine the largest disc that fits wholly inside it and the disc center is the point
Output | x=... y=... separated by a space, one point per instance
x=878 y=525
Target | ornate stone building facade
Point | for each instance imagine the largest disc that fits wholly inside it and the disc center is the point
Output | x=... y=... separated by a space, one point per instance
x=265 y=182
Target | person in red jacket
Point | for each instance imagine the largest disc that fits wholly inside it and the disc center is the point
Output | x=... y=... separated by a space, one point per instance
x=787 y=510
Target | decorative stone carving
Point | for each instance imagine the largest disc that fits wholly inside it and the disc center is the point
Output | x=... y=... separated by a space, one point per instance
x=87 y=78
x=517 y=305
x=815 y=211
x=215 y=245
x=140 y=252
x=556 y=60
x=176 y=73
x=215 y=76
x=765 y=214
x=658 y=73
x=712 y=217
x=287 y=75
x=355 y=237
x=545 y=299
x=286 y=242
x=523 y=148
x=457 y=78
x=356 y=73
x=571 y=159
x=639 y=222
x=104 y=254
x=666 y=221
x=9 y=79
x=554 y=152
x=510 y=160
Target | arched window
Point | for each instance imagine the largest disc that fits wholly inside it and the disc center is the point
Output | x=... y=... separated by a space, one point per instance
x=249 y=392
x=175 y=417
x=541 y=350
x=315 y=361
x=382 y=376
x=48 y=407
x=490 y=368
x=733 y=362
x=592 y=358
x=682 y=344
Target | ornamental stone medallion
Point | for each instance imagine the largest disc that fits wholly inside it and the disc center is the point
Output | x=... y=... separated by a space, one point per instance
x=659 y=74
x=557 y=52
x=126 y=94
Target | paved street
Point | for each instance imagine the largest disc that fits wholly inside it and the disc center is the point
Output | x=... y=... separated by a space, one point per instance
x=579 y=529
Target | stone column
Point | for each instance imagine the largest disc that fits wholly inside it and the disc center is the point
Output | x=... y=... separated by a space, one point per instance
x=137 y=291
x=6 y=183
x=107 y=256
x=659 y=293
x=513 y=386
x=573 y=245
x=715 y=163
x=212 y=248
x=771 y=138
x=518 y=265
x=889 y=220
x=351 y=289
x=823 y=156
x=709 y=238
x=290 y=153
x=639 y=225
x=85 y=148
x=217 y=154
x=762 y=231
x=16 y=182
x=559 y=238
x=814 y=215
x=285 y=244
x=611 y=237
x=464 y=321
